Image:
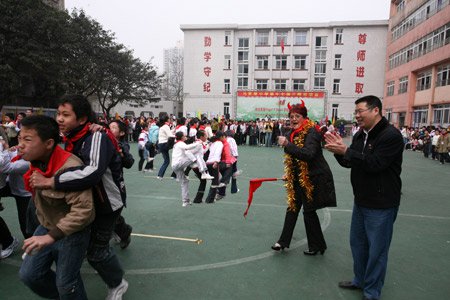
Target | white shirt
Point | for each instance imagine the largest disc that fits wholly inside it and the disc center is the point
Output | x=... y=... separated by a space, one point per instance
x=209 y=133
x=233 y=146
x=179 y=150
x=215 y=152
x=143 y=139
x=183 y=129
x=164 y=134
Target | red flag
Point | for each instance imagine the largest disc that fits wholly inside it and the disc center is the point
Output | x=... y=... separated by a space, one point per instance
x=254 y=185
x=282 y=45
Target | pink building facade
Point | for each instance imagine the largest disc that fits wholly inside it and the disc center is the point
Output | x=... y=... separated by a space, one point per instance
x=417 y=80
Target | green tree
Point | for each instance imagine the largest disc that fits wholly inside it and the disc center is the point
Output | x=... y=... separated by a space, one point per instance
x=32 y=36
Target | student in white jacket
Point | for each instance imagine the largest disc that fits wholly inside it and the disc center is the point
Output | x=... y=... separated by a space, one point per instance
x=184 y=155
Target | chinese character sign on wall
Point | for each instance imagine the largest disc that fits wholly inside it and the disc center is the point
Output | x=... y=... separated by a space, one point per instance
x=207 y=56
x=360 y=69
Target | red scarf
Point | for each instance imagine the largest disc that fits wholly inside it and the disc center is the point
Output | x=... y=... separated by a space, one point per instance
x=69 y=141
x=300 y=129
x=202 y=127
x=16 y=158
x=57 y=160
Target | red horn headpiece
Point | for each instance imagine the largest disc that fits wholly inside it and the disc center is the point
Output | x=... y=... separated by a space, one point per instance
x=289 y=106
x=303 y=103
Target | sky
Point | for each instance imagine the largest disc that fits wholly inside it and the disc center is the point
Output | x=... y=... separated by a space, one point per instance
x=148 y=27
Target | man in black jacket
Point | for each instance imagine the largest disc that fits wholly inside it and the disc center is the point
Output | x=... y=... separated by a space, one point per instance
x=375 y=157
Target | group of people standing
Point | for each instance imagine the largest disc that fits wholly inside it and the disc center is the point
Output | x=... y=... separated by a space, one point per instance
x=433 y=141
x=79 y=192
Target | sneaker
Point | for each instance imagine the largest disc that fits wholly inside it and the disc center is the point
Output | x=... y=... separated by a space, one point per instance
x=10 y=249
x=219 y=197
x=149 y=159
x=117 y=292
x=159 y=178
x=237 y=173
x=126 y=238
x=207 y=176
x=185 y=203
x=222 y=184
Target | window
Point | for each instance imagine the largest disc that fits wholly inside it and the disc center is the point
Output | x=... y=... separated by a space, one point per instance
x=319 y=83
x=243 y=56
x=337 y=61
x=441 y=114
x=227 y=65
x=243 y=44
x=300 y=62
x=334 y=111
x=423 y=81
x=321 y=55
x=336 y=86
x=281 y=35
x=242 y=69
x=280 y=62
x=243 y=83
x=226 y=86
x=261 y=84
x=226 y=109
x=420 y=116
x=227 y=38
x=443 y=75
x=400 y=5
x=390 y=88
x=320 y=68
x=403 y=85
x=262 y=62
x=321 y=42
x=299 y=84
x=280 y=84
x=262 y=38
x=434 y=40
x=339 y=32
x=300 y=38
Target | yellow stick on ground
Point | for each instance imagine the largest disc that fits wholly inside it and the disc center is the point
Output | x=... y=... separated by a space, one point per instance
x=198 y=241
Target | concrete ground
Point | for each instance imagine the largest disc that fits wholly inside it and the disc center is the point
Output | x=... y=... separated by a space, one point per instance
x=235 y=261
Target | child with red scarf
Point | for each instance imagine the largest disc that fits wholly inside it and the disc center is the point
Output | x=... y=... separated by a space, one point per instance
x=102 y=170
x=63 y=234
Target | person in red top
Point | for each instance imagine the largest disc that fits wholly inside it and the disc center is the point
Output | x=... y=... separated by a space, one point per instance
x=225 y=166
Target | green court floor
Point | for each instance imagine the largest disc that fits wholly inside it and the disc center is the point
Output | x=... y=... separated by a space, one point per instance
x=235 y=261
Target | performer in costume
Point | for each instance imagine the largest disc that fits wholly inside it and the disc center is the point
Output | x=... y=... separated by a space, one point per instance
x=309 y=181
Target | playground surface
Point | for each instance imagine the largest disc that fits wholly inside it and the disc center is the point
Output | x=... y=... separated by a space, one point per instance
x=233 y=260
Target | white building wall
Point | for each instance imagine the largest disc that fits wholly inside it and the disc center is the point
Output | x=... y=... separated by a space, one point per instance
x=211 y=103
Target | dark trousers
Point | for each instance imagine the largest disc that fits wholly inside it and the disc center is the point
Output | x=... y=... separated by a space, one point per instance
x=5 y=235
x=100 y=255
x=316 y=241
x=201 y=187
x=22 y=213
x=212 y=191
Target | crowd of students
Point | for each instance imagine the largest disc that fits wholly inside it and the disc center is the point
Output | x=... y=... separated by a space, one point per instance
x=69 y=201
x=433 y=141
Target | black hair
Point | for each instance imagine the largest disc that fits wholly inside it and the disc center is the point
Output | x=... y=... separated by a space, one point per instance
x=22 y=114
x=122 y=127
x=80 y=106
x=46 y=127
x=219 y=134
x=371 y=102
x=200 y=133
x=179 y=135
x=10 y=115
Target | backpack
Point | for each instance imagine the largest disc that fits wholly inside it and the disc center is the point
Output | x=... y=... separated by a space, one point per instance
x=153 y=134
